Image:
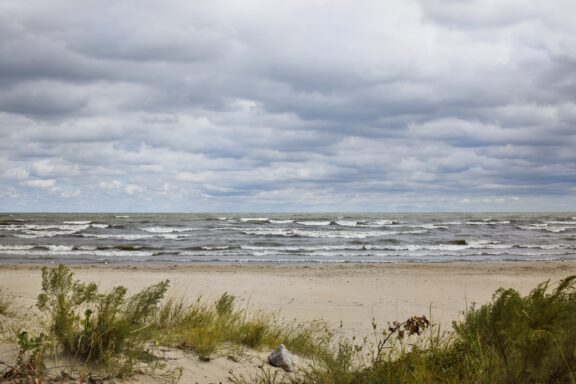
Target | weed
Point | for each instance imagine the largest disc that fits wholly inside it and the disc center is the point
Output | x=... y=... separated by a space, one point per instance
x=225 y=305
x=97 y=326
x=30 y=359
x=523 y=339
x=5 y=304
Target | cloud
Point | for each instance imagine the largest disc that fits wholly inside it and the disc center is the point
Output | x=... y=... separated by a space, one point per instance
x=300 y=105
x=39 y=183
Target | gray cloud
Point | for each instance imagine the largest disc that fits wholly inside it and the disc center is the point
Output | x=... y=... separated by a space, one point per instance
x=301 y=105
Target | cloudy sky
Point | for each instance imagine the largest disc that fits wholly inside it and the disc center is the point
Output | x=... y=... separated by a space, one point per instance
x=296 y=105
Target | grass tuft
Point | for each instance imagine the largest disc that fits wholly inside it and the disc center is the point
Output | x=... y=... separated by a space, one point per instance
x=202 y=326
x=5 y=304
x=94 y=326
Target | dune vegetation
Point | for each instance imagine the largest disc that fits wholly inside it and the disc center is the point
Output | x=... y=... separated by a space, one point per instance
x=512 y=339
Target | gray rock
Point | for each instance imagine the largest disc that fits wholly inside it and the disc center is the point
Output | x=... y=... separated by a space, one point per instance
x=281 y=358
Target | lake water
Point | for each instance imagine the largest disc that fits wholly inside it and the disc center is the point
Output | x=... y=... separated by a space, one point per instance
x=285 y=238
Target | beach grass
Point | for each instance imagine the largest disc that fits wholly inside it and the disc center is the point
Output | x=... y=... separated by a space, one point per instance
x=5 y=303
x=202 y=326
x=512 y=339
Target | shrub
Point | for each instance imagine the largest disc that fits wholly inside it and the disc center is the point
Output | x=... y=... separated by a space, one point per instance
x=94 y=325
x=523 y=339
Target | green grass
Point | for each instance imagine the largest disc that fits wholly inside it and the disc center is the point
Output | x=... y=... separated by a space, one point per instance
x=105 y=328
x=203 y=326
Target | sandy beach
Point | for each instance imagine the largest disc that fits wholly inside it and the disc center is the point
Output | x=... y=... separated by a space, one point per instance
x=344 y=294
x=347 y=293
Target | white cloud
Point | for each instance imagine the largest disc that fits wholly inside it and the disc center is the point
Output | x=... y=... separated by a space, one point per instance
x=132 y=189
x=17 y=173
x=113 y=184
x=41 y=183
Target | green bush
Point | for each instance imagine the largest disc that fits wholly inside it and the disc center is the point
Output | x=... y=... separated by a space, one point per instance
x=94 y=325
x=517 y=339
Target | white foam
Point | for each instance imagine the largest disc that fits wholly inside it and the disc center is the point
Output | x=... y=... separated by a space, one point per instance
x=58 y=248
x=333 y=234
x=556 y=229
x=35 y=234
x=122 y=216
x=281 y=221
x=15 y=247
x=62 y=250
x=486 y=222
x=544 y=227
x=304 y=249
x=133 y=236
x=429 y=226
x=45 y=227
x=248 y=219
x=79 y=222
x=381 y=222
x=314 y=223
x=168 y=229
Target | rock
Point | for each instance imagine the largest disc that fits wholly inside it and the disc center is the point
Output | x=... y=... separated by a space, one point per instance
x=281 y=358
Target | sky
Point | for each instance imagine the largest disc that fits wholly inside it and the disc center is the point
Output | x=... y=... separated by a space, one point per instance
x=287 y=105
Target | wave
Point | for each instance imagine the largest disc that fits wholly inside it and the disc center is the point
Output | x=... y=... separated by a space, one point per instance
x=456 y=245
x=249 y=219
x=33 y=231
x=315 y=223
x=304 y=248
x=194 y=251
x=134 y=236
x=78 y=222
x=280 y=221
x=122 y=216
x=545 y=227
x=43 y=234
x=16 y=247
x=169 y=229
x=332 y=234
x=381 y=222
x=347 y=223
x=101 y=226
x=45 y=227
x=59 y=250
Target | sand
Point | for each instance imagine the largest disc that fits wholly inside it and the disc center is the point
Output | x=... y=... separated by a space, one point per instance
x=344 y=295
